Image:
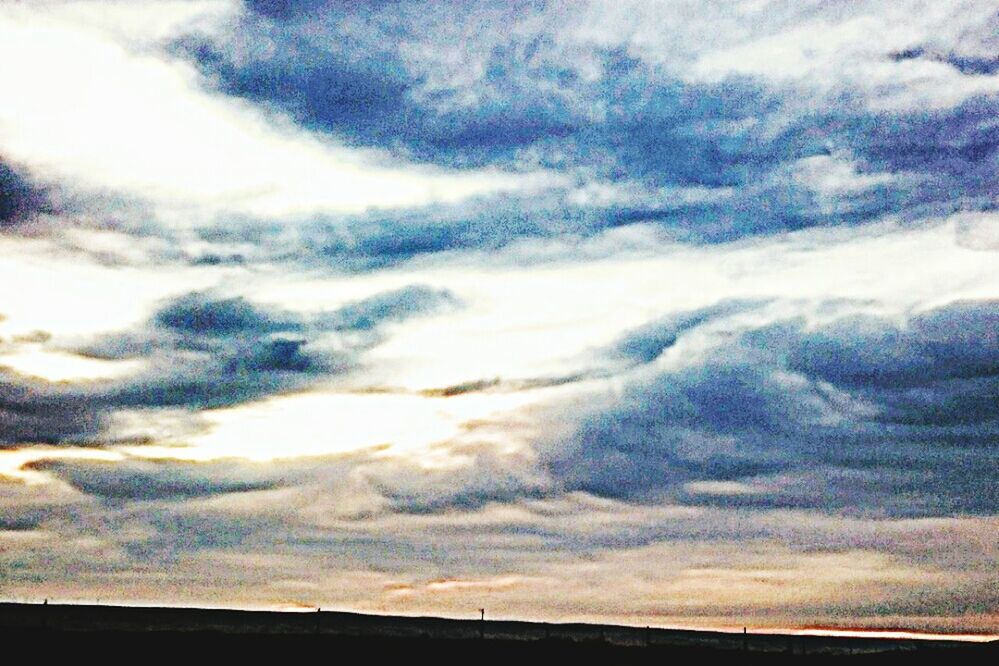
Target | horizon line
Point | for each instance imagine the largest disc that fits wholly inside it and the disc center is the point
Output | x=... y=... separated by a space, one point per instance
x=891 y=633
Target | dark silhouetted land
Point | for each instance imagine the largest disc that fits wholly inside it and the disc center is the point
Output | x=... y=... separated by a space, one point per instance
x=119 y=633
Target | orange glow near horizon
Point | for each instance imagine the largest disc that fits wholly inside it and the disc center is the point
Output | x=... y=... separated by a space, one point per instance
x=775 y=630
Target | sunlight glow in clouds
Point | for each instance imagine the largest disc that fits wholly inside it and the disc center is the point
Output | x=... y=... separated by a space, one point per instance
x=136 y=120
x=320 y=424
x=550 y=321
x=58 y=367
x=49 y=291
x=677 y=313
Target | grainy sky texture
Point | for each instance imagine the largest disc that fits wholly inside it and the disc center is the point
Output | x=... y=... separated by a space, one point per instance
x=674 y=313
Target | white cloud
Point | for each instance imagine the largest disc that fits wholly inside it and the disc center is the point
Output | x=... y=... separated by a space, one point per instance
x=70 y=297
x=822 y=48
x=548 y=321
x=55 y=366
x=113 y=117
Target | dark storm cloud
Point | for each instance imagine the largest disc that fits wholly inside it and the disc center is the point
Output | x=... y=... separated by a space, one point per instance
x=951 y=343
x=954 y=151
x=942 y=370
x=367 y=74
x=19 y=198
x=245 y=336
x=201 y=315
x=389 y=307
x=380 y=239
x=284 y=9
x=658 y=135
x=206 y=351
x=862 y=415
x=645 y=344
x=966 y=64
x=355 y=82
x=144 y=480
x=33 y=411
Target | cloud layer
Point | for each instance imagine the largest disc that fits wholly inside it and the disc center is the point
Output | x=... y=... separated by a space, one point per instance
x=664 y=313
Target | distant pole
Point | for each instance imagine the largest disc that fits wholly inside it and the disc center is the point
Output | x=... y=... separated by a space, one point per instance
x=318 y=611
x=745 y=640
x=482 y=623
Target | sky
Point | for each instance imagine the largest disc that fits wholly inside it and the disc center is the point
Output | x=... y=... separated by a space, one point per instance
x=666 y=313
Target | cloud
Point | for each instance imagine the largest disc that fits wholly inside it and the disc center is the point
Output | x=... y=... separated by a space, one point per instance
x=30 y=411
x=953 y=342
x=861 y=414
x=19 y=199
x=647 y=343
x=207 y=351
x=390 y=305
x=966 y=64
x=702 y=160
x=212 y=154
x=609 y=110
x=683 y=564
x=200 y=315
x=144 y=481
